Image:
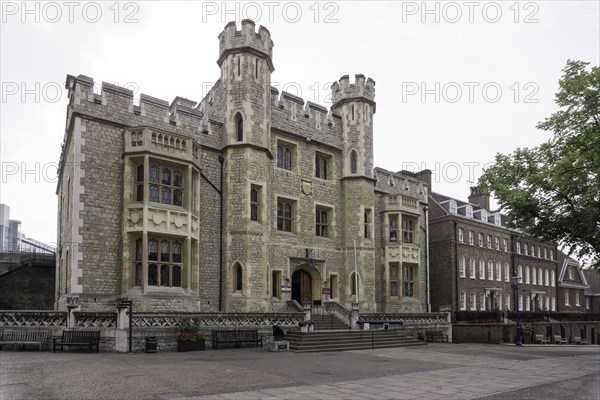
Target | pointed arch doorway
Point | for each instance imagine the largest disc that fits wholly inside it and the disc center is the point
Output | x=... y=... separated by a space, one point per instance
x=301 y=286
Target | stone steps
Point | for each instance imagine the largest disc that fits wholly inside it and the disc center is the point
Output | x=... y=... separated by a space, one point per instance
x=343 y=340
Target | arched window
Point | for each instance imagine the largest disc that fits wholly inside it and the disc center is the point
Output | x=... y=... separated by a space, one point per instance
x=238 y=278
x=352 y=162
x=239 y=128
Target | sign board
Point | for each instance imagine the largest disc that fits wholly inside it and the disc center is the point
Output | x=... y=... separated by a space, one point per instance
x=326 y=290
x=286 y=289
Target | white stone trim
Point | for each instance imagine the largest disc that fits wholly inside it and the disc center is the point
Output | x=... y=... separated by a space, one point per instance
x=78 y=206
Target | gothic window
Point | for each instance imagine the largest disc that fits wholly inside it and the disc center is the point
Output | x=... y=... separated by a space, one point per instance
x=254 y=203
x=393 y=228
x=367 y=219
x=140 y=183
x=353 y=162
x=284 y=157
x=239 y=128
x=407 y=230
x=165 y=185
x=394 y=279
x=322 y=223
x=238 y=277
x=164 y=262
x=284 y=216
x=409 y=280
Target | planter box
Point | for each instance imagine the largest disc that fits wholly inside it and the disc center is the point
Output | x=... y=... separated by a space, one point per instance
x=188 y=345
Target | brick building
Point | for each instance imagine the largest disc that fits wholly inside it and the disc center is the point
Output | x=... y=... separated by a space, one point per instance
x=572 y=286
x=241 y=202
x=473 y=257
x=592 y=292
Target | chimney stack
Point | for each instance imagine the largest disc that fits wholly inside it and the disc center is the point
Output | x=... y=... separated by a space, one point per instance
x=478 y=198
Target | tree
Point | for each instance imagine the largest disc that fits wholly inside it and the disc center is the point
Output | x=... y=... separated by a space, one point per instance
x=553 y=191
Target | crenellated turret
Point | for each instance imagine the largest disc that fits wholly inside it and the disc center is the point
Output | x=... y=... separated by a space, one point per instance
x=246 y=40
x=343 y=91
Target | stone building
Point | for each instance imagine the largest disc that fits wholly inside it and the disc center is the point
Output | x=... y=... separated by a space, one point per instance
x=241 y=202
x=473 y=257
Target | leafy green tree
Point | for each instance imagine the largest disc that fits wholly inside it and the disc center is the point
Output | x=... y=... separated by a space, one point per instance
x=553 y=191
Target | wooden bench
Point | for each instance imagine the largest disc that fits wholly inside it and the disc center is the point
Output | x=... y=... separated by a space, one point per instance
x=434 y=336
x=559 y=340
x=89 y=339
x=236 y=336
x=578 y=340
x=541 y=339
x=24 y=337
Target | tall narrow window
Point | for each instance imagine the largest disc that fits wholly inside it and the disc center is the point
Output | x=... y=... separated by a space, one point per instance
x=520 y=273
x=471 y=233
x=333 y=286
x=472 y=268
x=138 y=262
x=239 y=67
x=320 y=167
x=140 y=183
x=472 y=302
x=461 y=235
x=481 y=269
x=256 y=68
x=394 y=280
x=322 y=224
x=238 y=278
x=480 y=240
x=254 y=203
x=506 y=273
x=367 y=219
x=354 y=283
x=284 y=156
x=408 y=278
x=463 y=301
x=284 y=216
x=276 y=284
x=461 y=267
x=239 y=130
x=527 y=275
x=490 y=271
x=407 y=230
x=352 y=162
x=393 y=228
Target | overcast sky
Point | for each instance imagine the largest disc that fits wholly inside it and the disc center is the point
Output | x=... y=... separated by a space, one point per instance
x=456 y=82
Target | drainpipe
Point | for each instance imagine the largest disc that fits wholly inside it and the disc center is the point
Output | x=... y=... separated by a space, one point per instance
x=456 y=266
x=221 y=160
x=426 y=209
x=220 y=193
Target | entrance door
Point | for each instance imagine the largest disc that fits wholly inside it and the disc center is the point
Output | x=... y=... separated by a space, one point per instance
x=301 y=287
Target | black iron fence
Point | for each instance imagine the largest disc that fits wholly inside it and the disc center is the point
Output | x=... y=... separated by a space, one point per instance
x=479 y=317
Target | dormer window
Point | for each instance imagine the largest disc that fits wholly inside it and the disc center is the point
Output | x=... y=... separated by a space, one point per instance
x=452 y=206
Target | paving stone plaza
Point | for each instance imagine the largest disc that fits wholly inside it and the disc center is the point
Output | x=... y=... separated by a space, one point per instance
x=436 y=371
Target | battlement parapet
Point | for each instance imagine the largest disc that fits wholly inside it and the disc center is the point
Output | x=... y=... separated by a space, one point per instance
x=232 y=41
x=117 y=103
x=361 y=89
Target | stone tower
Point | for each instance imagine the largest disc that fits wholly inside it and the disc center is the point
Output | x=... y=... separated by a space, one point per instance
x=356 y=104
x=246 y=67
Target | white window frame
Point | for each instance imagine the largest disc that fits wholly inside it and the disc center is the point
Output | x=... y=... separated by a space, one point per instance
x=482 y=301
x=463 y=301
x=481 y=268
x=567 y=297
x=461 y=267
x=472 y=302
x=577 y=299
x=461 y=235
x=471 y=233
x=472 y=268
